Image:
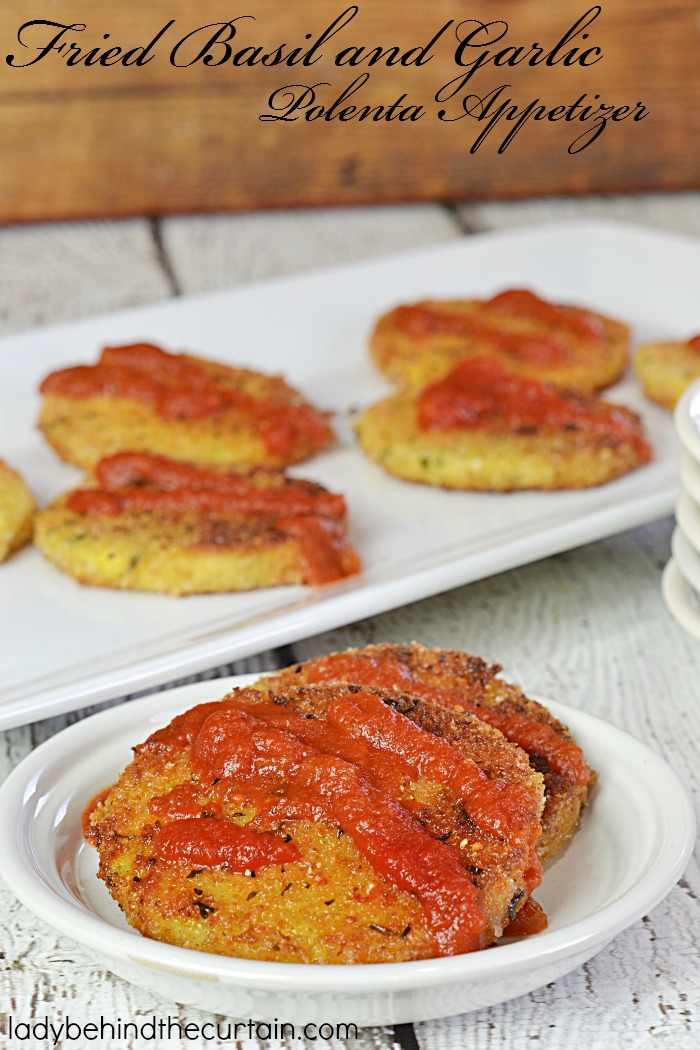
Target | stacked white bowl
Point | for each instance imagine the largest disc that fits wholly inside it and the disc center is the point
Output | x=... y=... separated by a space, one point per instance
x=681 y=582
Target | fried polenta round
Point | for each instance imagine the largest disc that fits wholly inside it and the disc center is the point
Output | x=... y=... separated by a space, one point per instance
x=666 y=370
x=484 y=428
x=328 y=824
x=146 y=523
x=17 y=509
x=569 y=346
x=178 y=405
x=462 y=682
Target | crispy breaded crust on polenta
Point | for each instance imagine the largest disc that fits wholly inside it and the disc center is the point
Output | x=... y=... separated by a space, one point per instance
x=566 y=345
x=462 y=682
x=666 y=370
x=146 y=523
x=483 y=428
x=327 y=824
x=16 y=511
x=178 y=405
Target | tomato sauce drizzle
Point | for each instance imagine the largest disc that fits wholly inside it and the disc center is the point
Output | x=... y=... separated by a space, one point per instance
x=141 y=482
x=694 y=343
x=322 y=545
x=342 y=770
x=92 y=805
x=209 y=842
x=178 y=388
x=422 y=322
x=530 y=919
x=564 y=756
x=549 y=347
x=522 y=303
x=481 y=394
x=494 y=805
x=295 y=769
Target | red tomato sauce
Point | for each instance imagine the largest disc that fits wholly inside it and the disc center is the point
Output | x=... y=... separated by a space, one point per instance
x=305 y=769
x=141 y=482
x=481 y=394
x=347 y=769
x=295 y=768
x=92 y=805
x=530 y=919
x=177 y=388
x=422 y=322
x=522 y=303
x=208 y=842
x=564 y=756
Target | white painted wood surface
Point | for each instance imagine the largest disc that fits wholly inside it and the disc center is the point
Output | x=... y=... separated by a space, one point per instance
x=587 y=627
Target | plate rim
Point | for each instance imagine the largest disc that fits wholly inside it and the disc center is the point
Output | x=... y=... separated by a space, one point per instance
x=90 y=931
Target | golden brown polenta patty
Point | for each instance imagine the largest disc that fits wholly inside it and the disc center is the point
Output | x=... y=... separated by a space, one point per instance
x=327 y=824
x=462 y=682
x=569 y=346
x=178 y=405
x=16 y=511
x=144 y=522
x=666 y=370
x=484 y=428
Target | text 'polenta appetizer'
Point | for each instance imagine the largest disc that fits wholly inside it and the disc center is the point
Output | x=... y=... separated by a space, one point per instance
x=461 y=682
x=574 y=348
x=666 y=370
x=334 y=823
x=483 y=427
x=17 y=509
x=141 y=397
x=144 y=522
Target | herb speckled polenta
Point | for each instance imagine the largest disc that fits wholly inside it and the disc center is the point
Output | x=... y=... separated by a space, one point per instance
x=496 y=459
x=330 y=904
x=141 y=397
x=569 y=346
x=145 y=522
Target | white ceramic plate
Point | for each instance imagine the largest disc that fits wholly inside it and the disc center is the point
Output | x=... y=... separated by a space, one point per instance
x=686 y=558
x=690 y=475
x=681 y=599
x=688 y=517
x=686 y=418
x=63 y=646
x=634 y=841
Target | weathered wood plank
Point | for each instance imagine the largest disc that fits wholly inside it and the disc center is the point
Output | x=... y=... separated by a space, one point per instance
x=677 y=212
x=207 y=252
x=55 y=273
x=159 y=139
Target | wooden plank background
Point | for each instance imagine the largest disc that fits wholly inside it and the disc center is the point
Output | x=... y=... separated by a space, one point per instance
x=79 y=141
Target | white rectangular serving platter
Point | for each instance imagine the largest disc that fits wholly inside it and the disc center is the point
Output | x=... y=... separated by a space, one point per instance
x=63 y=646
